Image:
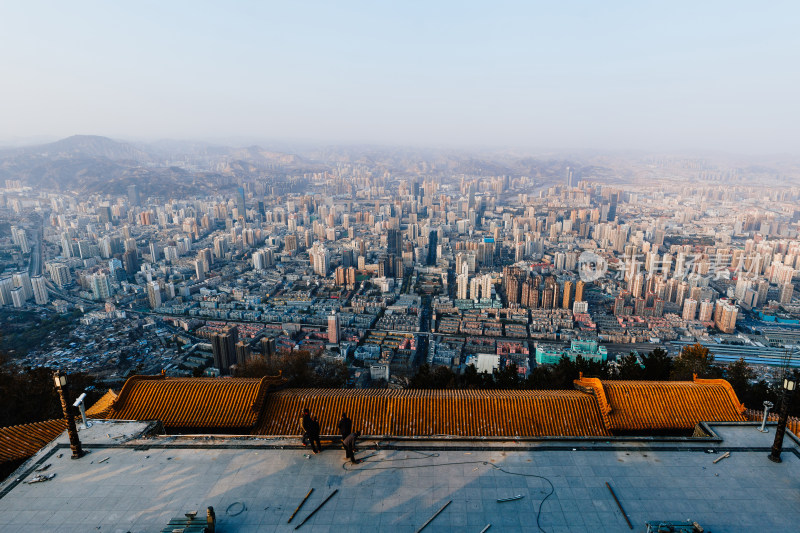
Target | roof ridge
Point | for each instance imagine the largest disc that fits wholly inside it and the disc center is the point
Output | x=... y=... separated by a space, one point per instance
x=594 y=387
x=130 y=383
x=728 y=388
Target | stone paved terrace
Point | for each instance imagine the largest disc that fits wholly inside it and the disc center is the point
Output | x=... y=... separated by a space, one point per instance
x=255 y=484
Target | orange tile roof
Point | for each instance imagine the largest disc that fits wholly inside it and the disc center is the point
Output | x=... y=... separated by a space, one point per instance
x=221 y=403
x=664 y=405
x=437 y=412
x=99 y=408
x=21 y=442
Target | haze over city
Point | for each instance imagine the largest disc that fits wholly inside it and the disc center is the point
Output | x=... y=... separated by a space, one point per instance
x=536 y=75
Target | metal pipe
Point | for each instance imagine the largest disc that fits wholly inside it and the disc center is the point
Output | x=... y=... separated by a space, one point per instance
x=619 y=505
x=317 y=509
x=301 y=504
x=434 y=516
x=767 y=407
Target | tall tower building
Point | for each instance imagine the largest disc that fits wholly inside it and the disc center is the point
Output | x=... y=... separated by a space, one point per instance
x=40 y=290
x=154 y=294
x=689 y=308
x=242 y=353
x=240 y=202
x=334 y=329
x=223 y=345
x=133 y=195
x=567 y=302
x=579 y=290
x=23 y=281
x=433 y=243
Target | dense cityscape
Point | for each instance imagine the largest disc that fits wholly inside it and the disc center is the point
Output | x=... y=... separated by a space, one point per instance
x=382 y=262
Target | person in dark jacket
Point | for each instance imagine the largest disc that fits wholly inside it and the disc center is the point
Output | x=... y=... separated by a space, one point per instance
x=349 y=444
x=305 y=422
x=313 y=435
x=345 y=426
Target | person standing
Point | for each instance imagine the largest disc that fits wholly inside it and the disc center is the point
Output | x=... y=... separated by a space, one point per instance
x=345 y=426
x=305 y=423
x=349 y=444
x=313 y=435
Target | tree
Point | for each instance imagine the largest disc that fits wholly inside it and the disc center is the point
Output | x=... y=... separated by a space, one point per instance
x=508 y=377
x=739 y=375
x=422 y=379
x=657 y=365
x=629 y=367
x=694 y=359
x=471 y=379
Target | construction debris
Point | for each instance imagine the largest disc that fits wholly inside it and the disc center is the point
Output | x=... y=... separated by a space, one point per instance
x=721 y=457
x=103 y=460
x=40 y=478
x=511 y=499
x=43 y=468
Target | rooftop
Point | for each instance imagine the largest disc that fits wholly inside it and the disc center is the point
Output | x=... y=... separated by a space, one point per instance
x=131 y=482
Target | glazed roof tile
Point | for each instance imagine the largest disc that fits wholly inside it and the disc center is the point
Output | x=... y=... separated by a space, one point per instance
x=437 y=412
x=221 y=403
x=99 y=408
x=21 y=442
x=663 y=405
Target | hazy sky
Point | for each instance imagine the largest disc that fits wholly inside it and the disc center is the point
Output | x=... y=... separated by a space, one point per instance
x=666 y=75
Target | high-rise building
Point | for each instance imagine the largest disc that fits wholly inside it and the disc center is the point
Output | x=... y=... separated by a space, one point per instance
x=23 y=281
x=101 y=289
x=6 y=286
x=223 y=345
x=706 y=311
x=689 y=308
x=394 y=242
x=787 y=292
x=433 y=243
x=290 y=243
x=725 y=316
x=567 y=300
x=240 y=202
x=40 y=290
x=59 y=273
x=267 y=346
x=154 y=294
x=462 y=286
x=320 y=259
x=242 y=353
x=334 y=329
x=17 y=297
x=579 y=291
x=133 y=195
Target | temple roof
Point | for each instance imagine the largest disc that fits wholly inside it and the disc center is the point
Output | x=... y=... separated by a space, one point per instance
x=258 y=407
x=210 y=403
x=437 y=412
x=663 y=405
x=20 y=442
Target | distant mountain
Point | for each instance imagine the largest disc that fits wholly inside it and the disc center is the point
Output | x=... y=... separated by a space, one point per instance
x=78 y=146
x=95 y=164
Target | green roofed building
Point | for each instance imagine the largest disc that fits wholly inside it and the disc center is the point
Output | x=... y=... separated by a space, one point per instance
x=590 y=350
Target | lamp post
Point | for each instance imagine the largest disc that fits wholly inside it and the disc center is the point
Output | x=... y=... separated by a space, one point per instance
x=63 y=392
x=789 y=385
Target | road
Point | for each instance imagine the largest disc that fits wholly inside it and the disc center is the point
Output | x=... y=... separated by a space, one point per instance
x=37 y=252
